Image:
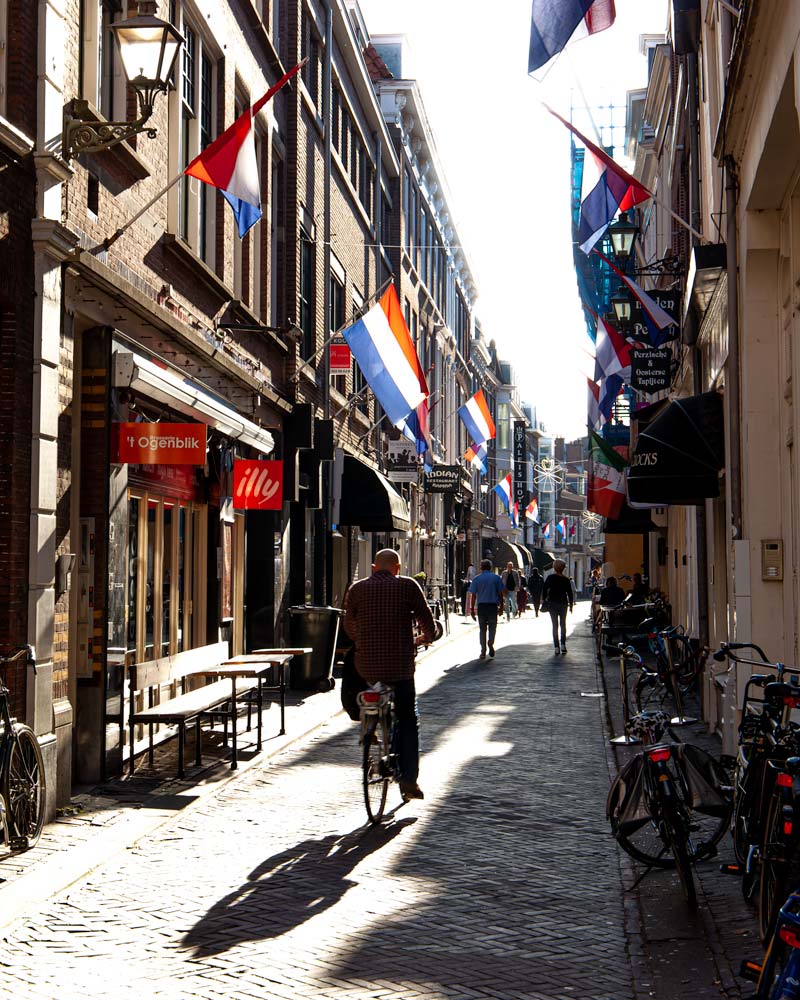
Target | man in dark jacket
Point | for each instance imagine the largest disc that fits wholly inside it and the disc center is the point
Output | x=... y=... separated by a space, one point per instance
x=535 y=584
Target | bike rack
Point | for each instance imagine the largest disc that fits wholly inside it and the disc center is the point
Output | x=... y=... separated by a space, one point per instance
x=625 y=739
x=680 y=719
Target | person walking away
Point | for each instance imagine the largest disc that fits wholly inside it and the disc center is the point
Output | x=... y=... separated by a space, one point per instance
x=557 y=592
x=470 y=576
x=510 y=582
x=379 y=616
x=485 y=596
x=535 y=584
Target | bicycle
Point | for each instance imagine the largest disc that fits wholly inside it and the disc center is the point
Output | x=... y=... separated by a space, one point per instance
x=22 y=780
x=378 y=741
x=778 y=976
x=670 y=798
x=766 y=786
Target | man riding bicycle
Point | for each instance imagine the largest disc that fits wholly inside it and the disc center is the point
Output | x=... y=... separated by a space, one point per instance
x=379 y=616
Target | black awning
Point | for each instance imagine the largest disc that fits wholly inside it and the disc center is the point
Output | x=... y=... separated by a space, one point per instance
x=369 y=499
x=503 y=552
x=629 y=522
x=678 y=456
x=542 y=559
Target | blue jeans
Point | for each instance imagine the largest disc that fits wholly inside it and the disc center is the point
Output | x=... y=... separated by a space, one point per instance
x=487 y=622
x=406 y=728
x=511 y=604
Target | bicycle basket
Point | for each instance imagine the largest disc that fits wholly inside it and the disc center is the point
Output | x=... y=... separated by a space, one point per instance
x=706 y=779
x=626 y=808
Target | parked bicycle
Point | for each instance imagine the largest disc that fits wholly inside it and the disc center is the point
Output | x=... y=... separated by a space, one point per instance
x=767 y=785
x=22 y=781
x=778 y=976
x=670 y=805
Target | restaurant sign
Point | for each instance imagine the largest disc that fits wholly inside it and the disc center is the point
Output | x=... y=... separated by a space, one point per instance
x=443 y=479
x=257 y=485
x=160 y=444
x=651 y=370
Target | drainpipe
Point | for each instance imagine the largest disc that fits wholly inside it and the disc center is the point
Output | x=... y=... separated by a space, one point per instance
x=701 y=523
x=732 y=381
x=324 y=515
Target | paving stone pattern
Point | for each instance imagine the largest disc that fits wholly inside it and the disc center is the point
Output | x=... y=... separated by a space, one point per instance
x=682 y=955
x=503 y=884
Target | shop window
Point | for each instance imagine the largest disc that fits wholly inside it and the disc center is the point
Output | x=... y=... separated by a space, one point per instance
x=339 y=382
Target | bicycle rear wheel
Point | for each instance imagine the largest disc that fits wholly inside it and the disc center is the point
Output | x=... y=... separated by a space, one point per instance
x=683 y=863
x=376 y=773
x=780 y=870
x=24 y=788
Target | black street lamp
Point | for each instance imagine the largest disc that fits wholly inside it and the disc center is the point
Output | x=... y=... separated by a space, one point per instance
x=148 y=48
x=622 y=306
x=623 y=235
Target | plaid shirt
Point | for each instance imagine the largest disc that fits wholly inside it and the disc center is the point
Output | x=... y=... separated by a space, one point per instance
x=378 y=616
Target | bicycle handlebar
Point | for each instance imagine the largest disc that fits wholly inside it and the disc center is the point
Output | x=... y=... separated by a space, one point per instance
x=726 y=650
x=29 y=652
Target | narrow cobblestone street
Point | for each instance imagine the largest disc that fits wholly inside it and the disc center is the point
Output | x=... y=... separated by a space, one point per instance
x=504 y=883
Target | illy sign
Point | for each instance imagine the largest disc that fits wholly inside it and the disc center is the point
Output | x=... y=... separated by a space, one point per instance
x=257 y=485
x=161 y=444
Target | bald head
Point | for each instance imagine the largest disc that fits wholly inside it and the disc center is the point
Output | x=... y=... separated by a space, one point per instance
x=387 y=560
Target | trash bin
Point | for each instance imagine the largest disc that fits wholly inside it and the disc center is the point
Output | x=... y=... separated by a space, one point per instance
x=318 y=628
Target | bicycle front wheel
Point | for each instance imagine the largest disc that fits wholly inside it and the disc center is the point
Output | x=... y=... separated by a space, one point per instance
x=24 y=788
x=376 y=773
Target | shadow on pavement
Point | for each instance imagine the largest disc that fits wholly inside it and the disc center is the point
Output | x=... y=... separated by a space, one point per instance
x=511 y=878
x=288 y=889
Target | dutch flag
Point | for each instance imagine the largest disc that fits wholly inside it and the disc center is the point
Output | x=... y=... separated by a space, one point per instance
x=382 y=346
x=477 y=418
x=503 y=490
x=229 y=163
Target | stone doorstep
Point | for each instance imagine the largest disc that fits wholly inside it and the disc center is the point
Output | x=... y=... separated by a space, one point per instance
x=112 y=817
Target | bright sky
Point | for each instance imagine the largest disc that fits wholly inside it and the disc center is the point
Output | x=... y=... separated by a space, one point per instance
x=506 y=161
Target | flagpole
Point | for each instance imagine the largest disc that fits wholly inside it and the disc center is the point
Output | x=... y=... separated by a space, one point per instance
x=682 y=222
x=364 y=308
x=126 y=226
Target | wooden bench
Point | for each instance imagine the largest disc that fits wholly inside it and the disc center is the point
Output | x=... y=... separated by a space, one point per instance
x=189 y=706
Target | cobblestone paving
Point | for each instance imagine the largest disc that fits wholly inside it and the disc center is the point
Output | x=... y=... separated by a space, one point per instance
x=504 y=883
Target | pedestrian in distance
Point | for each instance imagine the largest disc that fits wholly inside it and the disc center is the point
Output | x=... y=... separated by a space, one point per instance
x=486 y=593
x=468 y=578
x=557 y=597
x=522 y=597
x=535 y=584
x=511 y=583
x=379 y=616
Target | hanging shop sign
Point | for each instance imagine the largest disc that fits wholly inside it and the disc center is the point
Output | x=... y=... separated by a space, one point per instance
x=670 y=301
x=651 y=371
x=402 y=461
x=340 y=358
x=160 y=444
x=520 y=484
x=257 y=485
x=443 y=479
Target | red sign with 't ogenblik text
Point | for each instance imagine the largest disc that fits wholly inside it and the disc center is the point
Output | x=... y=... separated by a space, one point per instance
x=161 y=444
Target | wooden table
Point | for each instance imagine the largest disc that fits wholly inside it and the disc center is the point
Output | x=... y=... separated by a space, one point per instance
x=253 y=665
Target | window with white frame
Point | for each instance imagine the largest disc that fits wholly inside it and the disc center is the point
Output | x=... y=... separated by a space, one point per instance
x=103 y=79
x=192 y=128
